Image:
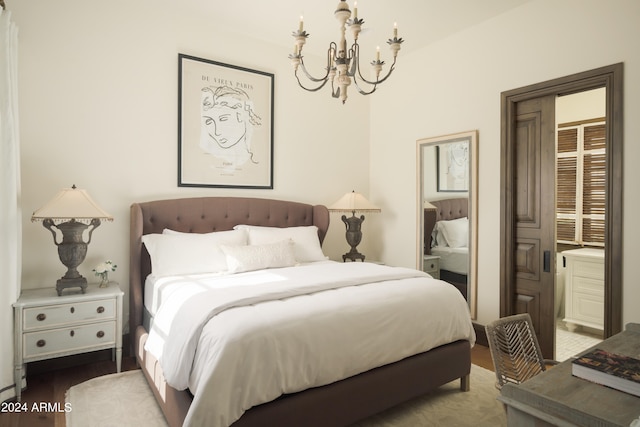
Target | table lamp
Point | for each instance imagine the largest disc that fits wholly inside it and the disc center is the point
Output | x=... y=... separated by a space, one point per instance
x=71 y=211
x=353 y=202
x=430 y=214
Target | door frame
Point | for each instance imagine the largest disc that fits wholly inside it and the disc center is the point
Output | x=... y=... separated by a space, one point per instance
x=610 y=77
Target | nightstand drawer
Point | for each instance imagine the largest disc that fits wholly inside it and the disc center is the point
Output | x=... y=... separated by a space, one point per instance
x=431 y=265
x=66 y=314
x=68 y=340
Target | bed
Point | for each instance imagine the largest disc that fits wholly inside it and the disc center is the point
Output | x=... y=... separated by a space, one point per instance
x=454 y=257
x=338 y=403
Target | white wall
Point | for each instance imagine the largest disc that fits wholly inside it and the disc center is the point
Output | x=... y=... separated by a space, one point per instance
x=591 y=104
x=98 y=108
x=454 y=85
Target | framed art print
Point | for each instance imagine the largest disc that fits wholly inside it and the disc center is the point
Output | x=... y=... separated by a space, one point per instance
x=225 y=125
x=453 y=166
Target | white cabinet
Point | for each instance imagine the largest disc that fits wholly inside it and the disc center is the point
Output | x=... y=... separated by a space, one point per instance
x=48 y=325
x=431 y=265
x=584 y=288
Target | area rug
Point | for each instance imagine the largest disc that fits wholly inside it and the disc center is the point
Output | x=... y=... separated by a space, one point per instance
x=448 y=406
x=125 y=400
x=122 y=400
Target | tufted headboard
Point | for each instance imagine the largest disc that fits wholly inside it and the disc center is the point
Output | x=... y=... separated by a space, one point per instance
x=446 y=209
x=204 y=215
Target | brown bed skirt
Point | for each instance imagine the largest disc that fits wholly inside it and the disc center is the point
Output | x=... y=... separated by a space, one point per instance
x=338 y=404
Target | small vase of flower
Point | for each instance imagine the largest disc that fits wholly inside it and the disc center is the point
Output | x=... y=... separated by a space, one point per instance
x=102 y=271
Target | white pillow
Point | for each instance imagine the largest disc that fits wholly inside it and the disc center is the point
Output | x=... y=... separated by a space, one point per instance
x=306 y=245
x=455 y=232
x=258 y=257
x=437 y=239
x=175 y=253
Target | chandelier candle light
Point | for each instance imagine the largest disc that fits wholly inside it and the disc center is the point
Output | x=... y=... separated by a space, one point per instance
x=343 y=64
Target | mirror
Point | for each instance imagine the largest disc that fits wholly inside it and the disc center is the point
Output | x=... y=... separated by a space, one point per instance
x=448 y=211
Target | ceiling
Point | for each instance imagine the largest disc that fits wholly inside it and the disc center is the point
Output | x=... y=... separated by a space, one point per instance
x=420 y=22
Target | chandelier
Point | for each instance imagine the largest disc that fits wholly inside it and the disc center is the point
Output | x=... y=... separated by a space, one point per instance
x=343 y=65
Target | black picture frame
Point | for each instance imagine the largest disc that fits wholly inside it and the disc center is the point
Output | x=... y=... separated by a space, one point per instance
x=225 y=125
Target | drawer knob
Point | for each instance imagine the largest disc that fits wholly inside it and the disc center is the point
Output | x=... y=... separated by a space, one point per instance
x=100 y=334
x=72 y=309
x=100 y=309
x=41 y=343
x=72 y=333
x=41 y=317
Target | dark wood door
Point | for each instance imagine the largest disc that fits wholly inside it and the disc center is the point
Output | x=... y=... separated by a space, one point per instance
x=534 y=219
x=524 y=286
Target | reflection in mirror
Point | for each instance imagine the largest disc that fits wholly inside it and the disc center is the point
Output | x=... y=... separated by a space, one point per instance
x=447 y=211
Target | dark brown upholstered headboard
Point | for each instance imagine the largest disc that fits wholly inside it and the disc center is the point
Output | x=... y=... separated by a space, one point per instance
x=446 y=209
x=204 y=215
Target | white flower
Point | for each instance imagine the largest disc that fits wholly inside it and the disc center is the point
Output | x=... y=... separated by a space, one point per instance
x=104 y=267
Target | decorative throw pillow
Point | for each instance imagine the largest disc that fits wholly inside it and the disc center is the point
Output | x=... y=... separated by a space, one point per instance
x=306 y=244
x=258 y=257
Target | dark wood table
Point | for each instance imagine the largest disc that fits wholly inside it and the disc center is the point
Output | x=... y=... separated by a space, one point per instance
x=556 y=398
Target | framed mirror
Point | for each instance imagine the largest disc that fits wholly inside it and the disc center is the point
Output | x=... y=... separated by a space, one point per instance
x=447 y=241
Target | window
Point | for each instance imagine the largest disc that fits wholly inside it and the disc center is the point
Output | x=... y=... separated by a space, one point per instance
x=581 y=183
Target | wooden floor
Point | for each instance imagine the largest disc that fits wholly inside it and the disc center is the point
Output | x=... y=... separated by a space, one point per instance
x=481 y=356
x=50 y=387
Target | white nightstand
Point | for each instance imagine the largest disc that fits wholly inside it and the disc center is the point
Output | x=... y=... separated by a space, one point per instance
x=48 y=325
x=431 y=265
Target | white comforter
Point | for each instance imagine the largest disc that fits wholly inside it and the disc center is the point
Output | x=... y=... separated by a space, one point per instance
x=242 y=340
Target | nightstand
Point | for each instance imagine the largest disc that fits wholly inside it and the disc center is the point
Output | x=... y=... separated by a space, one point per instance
x=48 y=325
x=431 y=265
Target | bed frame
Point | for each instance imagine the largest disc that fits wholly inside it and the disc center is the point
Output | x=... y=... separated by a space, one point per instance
x=338 y=404
x=446 y=209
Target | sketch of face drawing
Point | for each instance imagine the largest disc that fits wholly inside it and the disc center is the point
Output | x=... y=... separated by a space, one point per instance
x=459 y=161
x=227 y=124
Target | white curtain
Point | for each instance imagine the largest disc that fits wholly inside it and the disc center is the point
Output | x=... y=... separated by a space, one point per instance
x=10 y=216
